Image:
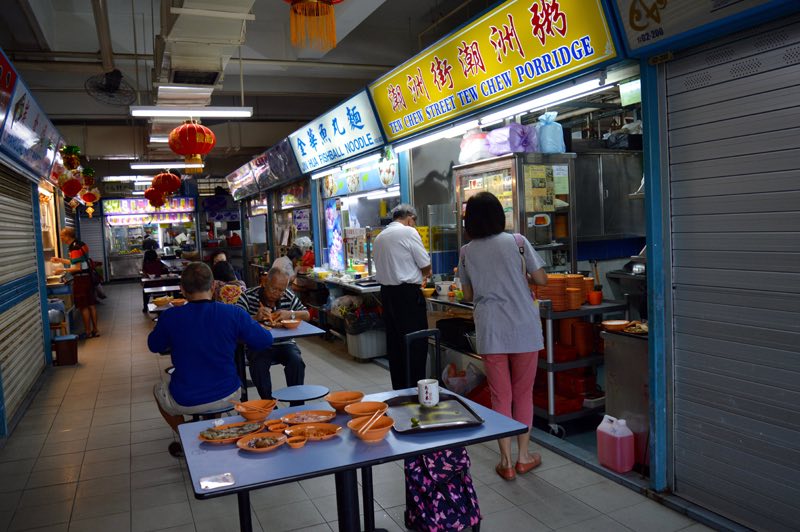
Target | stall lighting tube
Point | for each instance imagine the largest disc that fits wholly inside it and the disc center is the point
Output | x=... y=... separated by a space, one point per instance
x=320 y=175
x=447 y=133
x=388 y=193
x=191 y=112
x=362 y=162
x=581 y=89
x=159 y=139
x=166 y=164
x=138 y=192
x=124 y=178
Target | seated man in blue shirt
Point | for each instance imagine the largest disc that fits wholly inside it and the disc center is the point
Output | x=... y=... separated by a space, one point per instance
x=202 y=336
x=274 y=301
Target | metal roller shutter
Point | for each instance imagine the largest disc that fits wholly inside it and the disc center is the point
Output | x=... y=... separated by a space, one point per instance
x=21 y=335
x=92 y=236
x=734 y=156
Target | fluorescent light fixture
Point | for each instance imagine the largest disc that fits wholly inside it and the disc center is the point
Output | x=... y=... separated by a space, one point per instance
x=159 y=139
x=124 y=178
x=362 y=162
x=447 y=133
x=191 y=112
x=184 y=88
x=390 y=192
x=320 y=175
x=581 y=89
x=164 y=165
x=148 y=183
x=138 y=192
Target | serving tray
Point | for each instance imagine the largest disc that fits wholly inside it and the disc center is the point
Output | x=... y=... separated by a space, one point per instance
x=411 y=417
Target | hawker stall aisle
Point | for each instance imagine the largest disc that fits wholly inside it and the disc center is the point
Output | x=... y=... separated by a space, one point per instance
x=91 y=455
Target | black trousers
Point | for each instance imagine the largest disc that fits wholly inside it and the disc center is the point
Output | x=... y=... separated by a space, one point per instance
x=285 y=353
x=404 y=312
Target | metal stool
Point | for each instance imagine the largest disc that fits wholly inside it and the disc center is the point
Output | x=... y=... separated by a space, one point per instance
x=299 y=394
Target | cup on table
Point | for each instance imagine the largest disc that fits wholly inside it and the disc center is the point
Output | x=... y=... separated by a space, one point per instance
x=595 y=297
x=428 y=390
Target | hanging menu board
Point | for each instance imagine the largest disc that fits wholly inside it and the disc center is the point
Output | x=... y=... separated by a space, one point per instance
x=340 y=134
x=8 y=77
x=28 y=136
x=241 y=182
x=516 y=47
x=275 y=166
x=142 y=206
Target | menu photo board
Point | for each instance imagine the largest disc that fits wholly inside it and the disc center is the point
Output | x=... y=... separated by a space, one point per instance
x=650 y=25
x=8 y=77
x=511 y=49
x=241 y=182
x=142 y=206
x=28 y=136
x=344 y=132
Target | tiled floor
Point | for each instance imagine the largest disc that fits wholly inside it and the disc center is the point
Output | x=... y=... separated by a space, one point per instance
x=90 y=455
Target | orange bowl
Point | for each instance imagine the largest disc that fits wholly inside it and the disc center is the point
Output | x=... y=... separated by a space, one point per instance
x=178 y=302
x=377 y=432
x=615 y=325
x=339 y=400
x=365 y=408
x=295 y=442
x=290 y=324
x=243 y=409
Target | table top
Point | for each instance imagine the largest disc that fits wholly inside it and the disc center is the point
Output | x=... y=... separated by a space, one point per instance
x=301 y=392
x=166 y=277
x=153 y=309
x=351 y=286
x=304 y=329
x=544 y=307
x=342 y=452
x=158 y=289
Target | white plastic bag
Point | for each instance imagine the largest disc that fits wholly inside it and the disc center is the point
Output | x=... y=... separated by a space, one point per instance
x=551 y=136
x=474 y=147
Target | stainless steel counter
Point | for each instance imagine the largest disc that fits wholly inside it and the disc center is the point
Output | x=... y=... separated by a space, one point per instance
x=125 y=266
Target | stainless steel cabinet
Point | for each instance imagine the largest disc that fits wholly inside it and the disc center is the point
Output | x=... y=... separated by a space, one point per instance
x=605 y=181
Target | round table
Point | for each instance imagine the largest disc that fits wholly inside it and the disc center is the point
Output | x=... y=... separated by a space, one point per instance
x=297 y=395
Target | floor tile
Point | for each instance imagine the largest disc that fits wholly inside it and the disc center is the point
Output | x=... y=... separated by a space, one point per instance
x=100 y=505
x=17 y=467
x=600 y=523
x=62 y=447
x=143 y=498
x=39 y=516
x=277 y=496
x=104 y=485
x=156 y=477
x=116 y=523
x=108 y=468
x=570 y=477
x=51 y=477
x=511 y=520
x=650 y=516
x=160 y=517
x=560 y=511
x=607 y=496
x=121 y=452
x=48 y=494
x=58 y=462
x=290 y=517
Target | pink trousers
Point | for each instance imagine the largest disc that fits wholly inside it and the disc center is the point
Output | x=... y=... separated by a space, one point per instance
x=510 y=379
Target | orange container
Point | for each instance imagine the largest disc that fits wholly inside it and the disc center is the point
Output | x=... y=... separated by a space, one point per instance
x=595 y=297
x=565 y=330
x=561 y=226
x=588 y=285
x=583 y=338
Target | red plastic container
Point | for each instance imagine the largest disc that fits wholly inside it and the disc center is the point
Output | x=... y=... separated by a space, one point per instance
x=564 y=353
x=615 y=449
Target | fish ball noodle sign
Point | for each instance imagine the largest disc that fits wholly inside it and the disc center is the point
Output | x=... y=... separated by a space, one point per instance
x=520 y=45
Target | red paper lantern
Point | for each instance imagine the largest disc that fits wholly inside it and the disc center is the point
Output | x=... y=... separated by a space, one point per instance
x=90 y=195
x=167 y=183
x=155 y=197
x=192 y=140
x=70 y=183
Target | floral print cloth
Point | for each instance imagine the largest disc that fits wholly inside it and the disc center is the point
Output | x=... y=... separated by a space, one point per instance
x=439 y=492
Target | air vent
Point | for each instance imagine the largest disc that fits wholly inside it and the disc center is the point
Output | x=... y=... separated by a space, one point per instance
x=190 y=77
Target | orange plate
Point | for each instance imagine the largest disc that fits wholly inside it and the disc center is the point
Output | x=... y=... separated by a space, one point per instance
x=319 y=416
x=234 y=439
x=242 y=443
x=314 y=431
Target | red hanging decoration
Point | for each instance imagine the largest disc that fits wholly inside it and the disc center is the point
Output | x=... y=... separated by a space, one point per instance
x=70 y=156
x=313 y=24
x=88 y=177
x=90 y=196
x=167 y=183
x=192 y=140
x=155 y=197
x=70 y=183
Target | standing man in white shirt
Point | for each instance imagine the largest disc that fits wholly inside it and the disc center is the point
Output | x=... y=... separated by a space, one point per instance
x=401 y=264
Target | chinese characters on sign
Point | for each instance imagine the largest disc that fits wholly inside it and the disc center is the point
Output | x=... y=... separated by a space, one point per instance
x=142 y=206
x=512 y=49
x=348 y=130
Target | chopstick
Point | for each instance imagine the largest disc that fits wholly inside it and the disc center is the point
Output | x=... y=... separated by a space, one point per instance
x=250 y=408
x=372 y=420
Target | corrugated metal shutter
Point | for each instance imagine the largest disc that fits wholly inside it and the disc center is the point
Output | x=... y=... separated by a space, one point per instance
x=21 y=336
x=734 y=152
x=92 y=236
x=21 y=359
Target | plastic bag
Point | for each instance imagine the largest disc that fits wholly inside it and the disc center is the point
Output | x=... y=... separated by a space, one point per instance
x=551 y=136
x=474 y=147
x=462 y=382
x=513 y=138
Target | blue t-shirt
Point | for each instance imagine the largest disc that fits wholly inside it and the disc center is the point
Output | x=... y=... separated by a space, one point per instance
x=203 y=336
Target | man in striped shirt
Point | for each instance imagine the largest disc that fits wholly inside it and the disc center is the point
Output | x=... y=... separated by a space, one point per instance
x=273 y=301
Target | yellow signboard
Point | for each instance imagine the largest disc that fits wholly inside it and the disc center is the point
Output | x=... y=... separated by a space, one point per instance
x=511 y=49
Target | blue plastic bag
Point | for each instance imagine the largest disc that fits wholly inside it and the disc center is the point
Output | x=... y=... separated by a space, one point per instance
x=551 y=136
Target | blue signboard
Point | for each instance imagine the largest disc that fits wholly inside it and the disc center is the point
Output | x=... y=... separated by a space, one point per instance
x=342 y=133
x=28 y=136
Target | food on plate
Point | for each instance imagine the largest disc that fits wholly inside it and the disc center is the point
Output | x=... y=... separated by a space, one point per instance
x=314 y=431
x=226 y=431
x=636 y=327
x=261 y=443
x=162 y=301
x=309 y=416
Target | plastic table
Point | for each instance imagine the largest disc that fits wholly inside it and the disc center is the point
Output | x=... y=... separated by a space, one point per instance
x=300 y=393
x=340 y=456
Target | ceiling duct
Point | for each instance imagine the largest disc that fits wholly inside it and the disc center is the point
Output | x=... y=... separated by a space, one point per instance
x=198 y=38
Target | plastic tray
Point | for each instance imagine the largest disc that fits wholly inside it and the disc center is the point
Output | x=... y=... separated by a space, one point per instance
x=450 y=413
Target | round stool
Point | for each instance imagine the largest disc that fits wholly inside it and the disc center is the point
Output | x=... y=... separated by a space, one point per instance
x=297 y=395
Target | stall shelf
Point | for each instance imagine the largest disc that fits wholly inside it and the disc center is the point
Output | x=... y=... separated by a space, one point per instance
x=551 y=367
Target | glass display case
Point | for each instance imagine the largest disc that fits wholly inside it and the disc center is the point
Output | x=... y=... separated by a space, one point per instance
x=291 y=215
x=536 y=191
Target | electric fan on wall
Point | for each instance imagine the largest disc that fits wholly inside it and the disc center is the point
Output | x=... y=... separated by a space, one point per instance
x=110 y=88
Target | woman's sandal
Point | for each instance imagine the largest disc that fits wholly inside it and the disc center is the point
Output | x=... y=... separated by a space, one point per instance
x=524 y=468
x=94 y=334
x=506 y=473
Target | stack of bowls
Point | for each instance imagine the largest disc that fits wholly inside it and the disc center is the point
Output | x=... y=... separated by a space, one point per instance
x=574 y=298
x=554 y=291
x=575 y=280
x=588 y=286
